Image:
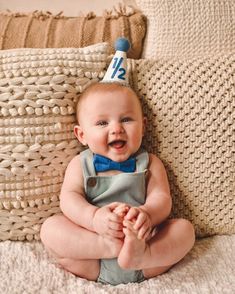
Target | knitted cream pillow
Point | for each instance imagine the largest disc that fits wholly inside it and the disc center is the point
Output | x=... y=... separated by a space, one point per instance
x=38 y=91
x=190 y=107
x=44 y=30
x=187 y=27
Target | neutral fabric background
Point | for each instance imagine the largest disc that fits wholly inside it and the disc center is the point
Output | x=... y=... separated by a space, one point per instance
x=70 y=7
x=188 y=28
x=207 y=269
x=42 y=29
x=189 y=108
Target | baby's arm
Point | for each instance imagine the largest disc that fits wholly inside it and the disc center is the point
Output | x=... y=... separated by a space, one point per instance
x=74 y=205
x=158 y=200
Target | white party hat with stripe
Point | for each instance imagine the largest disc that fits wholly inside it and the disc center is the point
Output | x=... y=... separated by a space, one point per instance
x=117 y=70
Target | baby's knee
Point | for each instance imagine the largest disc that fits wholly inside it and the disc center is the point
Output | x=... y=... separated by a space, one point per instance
x=48 y=228
x=187 y=230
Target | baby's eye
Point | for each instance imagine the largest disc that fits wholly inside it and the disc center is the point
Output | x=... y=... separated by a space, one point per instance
x=102 y=123
x=126 y=119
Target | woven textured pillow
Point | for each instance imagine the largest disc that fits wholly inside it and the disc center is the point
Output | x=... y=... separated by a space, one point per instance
x=38 y=91
x=188 y=28
x=190 y=106
x=44 y=30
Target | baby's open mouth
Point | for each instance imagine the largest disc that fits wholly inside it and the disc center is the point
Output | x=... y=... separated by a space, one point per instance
x=117 y=144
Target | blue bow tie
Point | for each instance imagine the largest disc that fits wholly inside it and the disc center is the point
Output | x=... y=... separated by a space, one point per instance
x=102 y=163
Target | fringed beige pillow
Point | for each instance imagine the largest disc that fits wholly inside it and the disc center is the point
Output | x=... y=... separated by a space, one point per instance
x=188 y=28
x=38 y=91
x=44 y=30
x=190 y=106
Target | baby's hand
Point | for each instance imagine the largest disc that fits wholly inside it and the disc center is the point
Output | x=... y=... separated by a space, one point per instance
x=122 y=209
x=107 y=222
x=138 y=219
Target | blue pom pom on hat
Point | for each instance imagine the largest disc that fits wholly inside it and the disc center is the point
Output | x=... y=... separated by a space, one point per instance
x=117 y=70
x=122 y=44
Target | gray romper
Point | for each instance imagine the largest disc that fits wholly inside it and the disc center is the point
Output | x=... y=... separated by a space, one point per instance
x=124 y=187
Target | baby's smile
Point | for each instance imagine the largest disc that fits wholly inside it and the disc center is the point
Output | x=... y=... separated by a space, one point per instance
x=117 y=144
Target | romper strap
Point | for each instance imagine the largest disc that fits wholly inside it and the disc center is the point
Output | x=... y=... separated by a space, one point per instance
x=142 y=160
x=86 y=157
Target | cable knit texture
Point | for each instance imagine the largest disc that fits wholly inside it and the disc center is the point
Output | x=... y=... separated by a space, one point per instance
x=38 y=91
x=190 y=106
x=188 y=28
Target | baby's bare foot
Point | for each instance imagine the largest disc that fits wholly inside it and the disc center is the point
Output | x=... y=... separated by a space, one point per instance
x=133 y=250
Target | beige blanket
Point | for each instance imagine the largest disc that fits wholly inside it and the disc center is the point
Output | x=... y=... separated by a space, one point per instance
x=208 y=268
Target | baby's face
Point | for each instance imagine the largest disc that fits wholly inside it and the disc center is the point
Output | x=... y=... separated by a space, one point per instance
x=111 y=123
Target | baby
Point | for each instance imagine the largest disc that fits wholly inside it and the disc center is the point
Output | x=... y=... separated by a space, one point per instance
x=115 y=197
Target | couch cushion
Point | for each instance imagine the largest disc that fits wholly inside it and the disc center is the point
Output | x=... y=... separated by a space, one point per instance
x=188 y=28
x=38 y=91
x=190 y=109
x=44 y=30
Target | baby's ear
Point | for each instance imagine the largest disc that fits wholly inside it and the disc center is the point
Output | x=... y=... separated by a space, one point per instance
x=144 y=124
x=78 y=132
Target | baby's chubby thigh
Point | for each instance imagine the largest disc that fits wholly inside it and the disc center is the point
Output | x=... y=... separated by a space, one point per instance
x=51 y=234
x=62 y=239
x=88 y=269
x=65 y=239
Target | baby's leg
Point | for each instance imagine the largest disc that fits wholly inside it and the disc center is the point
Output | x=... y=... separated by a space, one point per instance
x=76 y=248
x=88 y=269
x=162 y=251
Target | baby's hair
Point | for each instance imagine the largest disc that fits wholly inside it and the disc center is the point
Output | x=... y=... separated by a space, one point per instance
x=97 y=86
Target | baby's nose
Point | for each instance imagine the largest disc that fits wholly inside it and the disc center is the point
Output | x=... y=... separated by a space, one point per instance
x=117 y=128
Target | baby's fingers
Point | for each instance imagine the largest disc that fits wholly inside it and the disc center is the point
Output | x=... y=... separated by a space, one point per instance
x=129 y=225
x=144 y=232
x=115 y=226
x=132 y=213
x=141 y=219
x=121 y=210
x=115 y=234
x=112 y=206
x=114 y=217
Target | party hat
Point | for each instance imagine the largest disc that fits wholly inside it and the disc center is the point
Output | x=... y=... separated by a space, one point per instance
x=117 y=70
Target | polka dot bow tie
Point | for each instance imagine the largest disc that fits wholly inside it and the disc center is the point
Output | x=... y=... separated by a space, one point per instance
x=102 y=163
